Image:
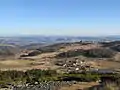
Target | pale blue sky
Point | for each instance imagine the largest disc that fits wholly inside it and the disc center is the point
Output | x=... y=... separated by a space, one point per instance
x=59 y=17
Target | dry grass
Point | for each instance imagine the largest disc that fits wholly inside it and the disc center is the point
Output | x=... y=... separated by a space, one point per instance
x=15 y=64
x=106 y=64
x=44 y=55
x=25 y=64
x=80 y=86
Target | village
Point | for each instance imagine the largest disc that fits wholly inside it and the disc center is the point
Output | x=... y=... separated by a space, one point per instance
x=78 y=66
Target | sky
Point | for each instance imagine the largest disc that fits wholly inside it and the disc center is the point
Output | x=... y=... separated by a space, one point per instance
x=59 y=17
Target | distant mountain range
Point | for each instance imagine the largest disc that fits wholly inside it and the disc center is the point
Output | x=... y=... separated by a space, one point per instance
x=26 y=40
x=12 y=46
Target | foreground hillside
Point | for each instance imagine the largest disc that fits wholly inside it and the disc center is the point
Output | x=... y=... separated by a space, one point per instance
x=68 y=60
x=55 y=56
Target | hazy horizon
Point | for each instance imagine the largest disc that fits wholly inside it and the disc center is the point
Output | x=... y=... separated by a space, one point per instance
x=59 y=17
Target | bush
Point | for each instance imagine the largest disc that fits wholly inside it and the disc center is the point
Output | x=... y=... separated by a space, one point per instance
x=71 y=53
x=34 y=53
x=94 y=53
x=116 y=48
x=110 y=44
x=100 y=53
x=36 y=75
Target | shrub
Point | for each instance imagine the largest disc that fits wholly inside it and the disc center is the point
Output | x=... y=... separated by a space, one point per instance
x=116 y=48
x=36 y=75
x=94 y=53
x=99 y=53
x=34 y=53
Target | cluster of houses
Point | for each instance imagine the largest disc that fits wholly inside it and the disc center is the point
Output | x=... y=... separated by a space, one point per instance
x=74 y=65
x=78 y=66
